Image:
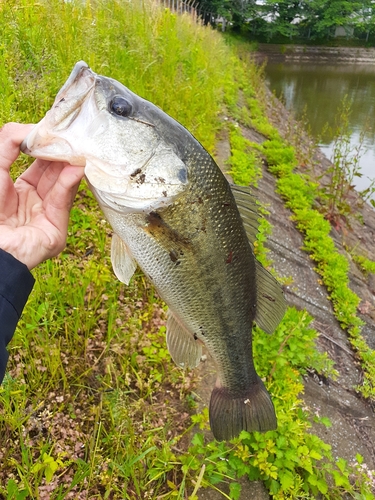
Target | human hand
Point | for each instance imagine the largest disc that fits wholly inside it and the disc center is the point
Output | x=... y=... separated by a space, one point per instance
x=34 y=211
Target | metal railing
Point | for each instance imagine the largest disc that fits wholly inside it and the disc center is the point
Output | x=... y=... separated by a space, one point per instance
x=191 y=7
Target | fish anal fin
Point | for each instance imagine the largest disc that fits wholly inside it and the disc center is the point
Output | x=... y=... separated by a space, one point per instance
x=123 y=263
x=248 y=410
x=271 y=304
x=185 y=349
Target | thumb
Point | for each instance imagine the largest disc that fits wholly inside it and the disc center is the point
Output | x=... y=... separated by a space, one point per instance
x=59 y=200
x=11 y=136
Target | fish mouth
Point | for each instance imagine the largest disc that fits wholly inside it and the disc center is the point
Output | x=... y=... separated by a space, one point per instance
x=129 y=204
x=123 y=204
x=79 y=73
x=46 y=139
x=72 y=95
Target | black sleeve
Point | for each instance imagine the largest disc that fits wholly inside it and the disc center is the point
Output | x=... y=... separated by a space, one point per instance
x=16 y=283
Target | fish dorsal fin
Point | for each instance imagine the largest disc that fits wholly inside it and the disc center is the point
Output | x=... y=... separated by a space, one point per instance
x=246 y=204
x=122 y=262
x=186 y=351
x=270 y=300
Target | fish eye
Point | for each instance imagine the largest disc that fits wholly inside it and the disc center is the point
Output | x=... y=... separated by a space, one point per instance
x=120 y=106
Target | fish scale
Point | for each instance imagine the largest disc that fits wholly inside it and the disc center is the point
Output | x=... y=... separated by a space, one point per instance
x=174 y=214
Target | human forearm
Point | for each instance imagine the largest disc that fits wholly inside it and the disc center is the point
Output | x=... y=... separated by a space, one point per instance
x=16 y=283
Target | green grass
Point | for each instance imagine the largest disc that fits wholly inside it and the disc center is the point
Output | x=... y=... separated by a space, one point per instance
x=299 y=192
x=92 y=405
x=245 y=165
x=366 y=265
x=152 y=51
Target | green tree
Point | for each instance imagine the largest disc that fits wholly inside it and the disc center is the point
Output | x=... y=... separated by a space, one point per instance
x=365 y=22
x=282 y=17
x=288 y=18
x=284 y=11
x=236 y=11
x=323 y=16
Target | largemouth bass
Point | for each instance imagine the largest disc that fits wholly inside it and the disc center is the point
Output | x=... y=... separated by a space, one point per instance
x=174 y=213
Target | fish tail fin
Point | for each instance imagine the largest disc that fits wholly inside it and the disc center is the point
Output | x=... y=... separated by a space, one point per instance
x=232 y=412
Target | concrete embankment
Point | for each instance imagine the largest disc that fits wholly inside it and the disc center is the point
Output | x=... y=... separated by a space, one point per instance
x=316 y=53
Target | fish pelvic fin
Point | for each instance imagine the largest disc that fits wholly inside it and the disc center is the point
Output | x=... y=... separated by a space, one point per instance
x=123 y=263
x=184 y=348
x=249 y=410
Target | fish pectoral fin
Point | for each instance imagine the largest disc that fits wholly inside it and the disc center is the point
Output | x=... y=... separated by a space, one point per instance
x=247 y=206
x=248 y=410
x=271 y=304
x=186 y=351
x=123 y=263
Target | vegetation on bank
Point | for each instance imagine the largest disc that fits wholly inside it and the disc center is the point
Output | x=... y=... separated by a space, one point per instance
x=342 y=22
x=92 y=405
x=300 y=192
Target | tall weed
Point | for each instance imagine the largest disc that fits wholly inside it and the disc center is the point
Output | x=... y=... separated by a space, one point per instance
x=337 y=192
x=160 y=55
x=92 y=402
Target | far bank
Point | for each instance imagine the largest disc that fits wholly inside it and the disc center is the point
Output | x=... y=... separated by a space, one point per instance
x=317 y=84
x=302 y=53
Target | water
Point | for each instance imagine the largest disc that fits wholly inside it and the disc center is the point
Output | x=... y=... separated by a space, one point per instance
x=317 y=90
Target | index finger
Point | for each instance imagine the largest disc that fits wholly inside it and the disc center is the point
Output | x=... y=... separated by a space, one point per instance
x=11 y=136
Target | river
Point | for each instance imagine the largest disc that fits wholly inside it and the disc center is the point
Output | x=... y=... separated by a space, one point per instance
x=316 y=92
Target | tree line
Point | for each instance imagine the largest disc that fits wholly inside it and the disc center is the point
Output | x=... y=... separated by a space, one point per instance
x=310 y=19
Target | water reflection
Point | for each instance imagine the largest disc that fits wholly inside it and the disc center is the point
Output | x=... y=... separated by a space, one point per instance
x=318 y=90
